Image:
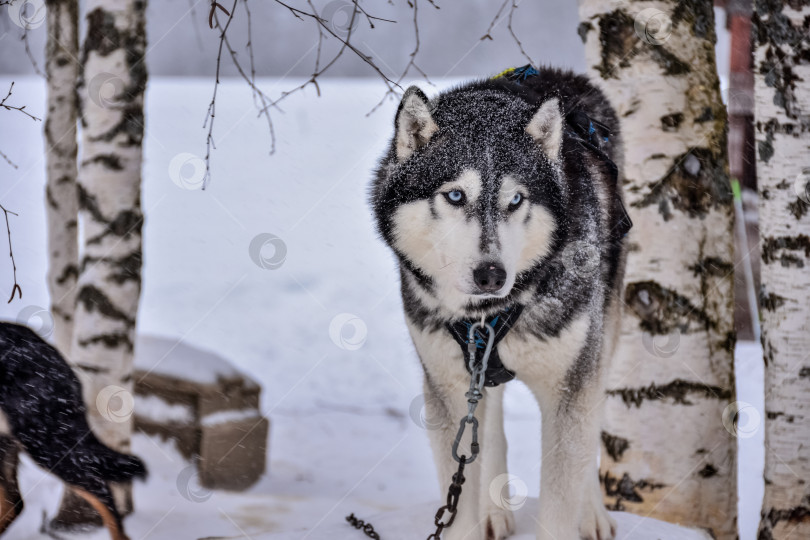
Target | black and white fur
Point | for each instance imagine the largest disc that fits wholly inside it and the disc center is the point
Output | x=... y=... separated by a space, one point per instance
x=556 y=251
x=42 y=413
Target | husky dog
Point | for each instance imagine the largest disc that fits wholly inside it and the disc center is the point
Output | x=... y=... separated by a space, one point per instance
x=42 y=412
x=501 y=200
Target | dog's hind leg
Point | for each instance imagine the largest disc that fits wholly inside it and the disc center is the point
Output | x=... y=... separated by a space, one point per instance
x=495 y=504
x=445 y=405
x=11 y=503
x=100 y=497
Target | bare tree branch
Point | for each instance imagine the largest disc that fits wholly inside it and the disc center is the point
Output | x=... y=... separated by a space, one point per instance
x=14 y=108
x=264 y=103
x=513 y=5
x=16 y=289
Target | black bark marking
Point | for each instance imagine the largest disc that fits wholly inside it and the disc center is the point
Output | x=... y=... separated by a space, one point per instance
x=773 y=415
x=798 y=208
x=110 y=161
x=671 y=122
x=490 y=529
x=697 y=183
x=126 y=223
x=91 y=369
x=127 y=268
x=94 y=299
x=706 y=115
x=69 y=273
x=661 y=310
x=708 y=471
x=804 y=372
x=583 y=29
x=785 y=46
x=111 y=340
x=626 y=489
x=797 y=515
x=677 y=390
x=669 y=62
x=712 y=267
x=617 y=39
x=615 y=446
x=770 y=301
x=771 y=245
x=699 y=15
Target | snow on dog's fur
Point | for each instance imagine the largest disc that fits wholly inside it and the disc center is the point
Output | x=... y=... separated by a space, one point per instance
x=491 y=195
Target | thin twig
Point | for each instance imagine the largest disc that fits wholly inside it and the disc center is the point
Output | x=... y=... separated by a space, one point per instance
x=30 y=54
x=16 y=289
x=13 y=108
x=513 y=5
x=412 y=61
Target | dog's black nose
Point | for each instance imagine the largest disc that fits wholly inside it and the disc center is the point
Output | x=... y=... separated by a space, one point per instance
x=489 y=277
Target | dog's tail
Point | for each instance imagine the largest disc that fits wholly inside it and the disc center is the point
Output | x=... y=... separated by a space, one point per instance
x=117 y=467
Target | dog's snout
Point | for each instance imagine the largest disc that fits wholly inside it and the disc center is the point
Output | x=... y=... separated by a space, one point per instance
x=489 y=277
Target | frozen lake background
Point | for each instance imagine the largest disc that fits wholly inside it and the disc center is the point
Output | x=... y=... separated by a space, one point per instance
x=342 y=437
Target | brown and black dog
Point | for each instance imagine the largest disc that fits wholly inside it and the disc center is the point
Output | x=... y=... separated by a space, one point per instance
x=43 y=414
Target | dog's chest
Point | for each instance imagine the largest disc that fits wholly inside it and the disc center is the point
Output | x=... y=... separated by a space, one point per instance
x=535 y=360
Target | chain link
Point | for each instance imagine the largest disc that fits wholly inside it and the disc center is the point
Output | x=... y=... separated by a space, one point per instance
x=367 y=528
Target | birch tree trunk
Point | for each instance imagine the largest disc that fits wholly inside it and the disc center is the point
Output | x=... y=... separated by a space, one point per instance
x=782 y=104
x=109 y=284
x=665 y=450
x=62 y=202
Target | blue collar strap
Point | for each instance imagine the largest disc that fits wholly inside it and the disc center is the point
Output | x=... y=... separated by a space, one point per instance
x=501 y=323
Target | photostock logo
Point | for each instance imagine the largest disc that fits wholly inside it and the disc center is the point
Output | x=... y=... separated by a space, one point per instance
x=188 y=485
x=267 y=251
x=802 y=185
x=508 y=492
x=741 y=419
x=421 y=414
x=105 y=90
x=27 y=14
x=653 y=26
x=115 y=404
x=581 y=258
x=187 y=171
x=43 y=318
x=662 y=346
x=338 y=17
x=348 y=331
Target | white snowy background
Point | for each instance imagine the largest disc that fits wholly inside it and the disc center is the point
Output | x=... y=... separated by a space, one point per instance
x=342 y=436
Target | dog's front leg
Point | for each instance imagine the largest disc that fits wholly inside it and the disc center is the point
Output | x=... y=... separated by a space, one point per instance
x=445 y=405
x=496 y=503
x=569 y=483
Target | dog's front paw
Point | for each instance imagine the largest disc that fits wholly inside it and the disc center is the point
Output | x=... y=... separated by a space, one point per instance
x=499 y=524
x=597 y=523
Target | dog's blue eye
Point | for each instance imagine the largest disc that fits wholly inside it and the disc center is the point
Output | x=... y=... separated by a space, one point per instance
x=455 y=197
x=516 y=200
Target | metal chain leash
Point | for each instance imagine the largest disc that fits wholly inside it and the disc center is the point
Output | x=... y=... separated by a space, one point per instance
x=478 y=373
x=367 y=528
x=446 y=514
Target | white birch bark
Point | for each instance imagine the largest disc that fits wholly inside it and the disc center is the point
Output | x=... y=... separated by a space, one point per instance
x=665 y=450
x=62 y=202
x=111 y=94
x=782 y=116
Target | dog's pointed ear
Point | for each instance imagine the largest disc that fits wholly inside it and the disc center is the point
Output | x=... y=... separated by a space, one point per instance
x=546 y=128
x=414 y=123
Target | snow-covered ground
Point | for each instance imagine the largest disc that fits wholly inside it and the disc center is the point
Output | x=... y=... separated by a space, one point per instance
x=323 y=332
